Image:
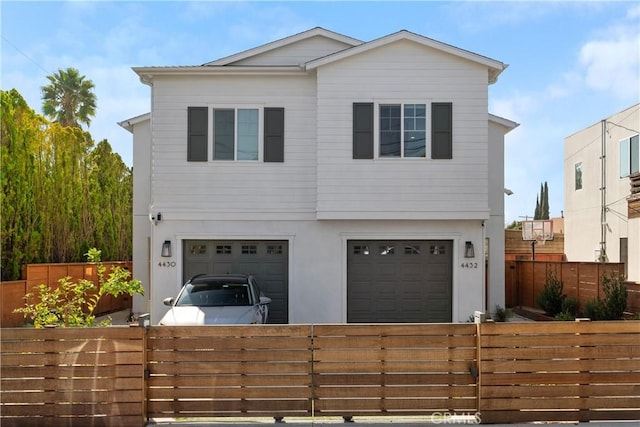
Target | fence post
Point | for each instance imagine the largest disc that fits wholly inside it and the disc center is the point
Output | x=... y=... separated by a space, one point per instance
x=144 y=321
x=478 y=372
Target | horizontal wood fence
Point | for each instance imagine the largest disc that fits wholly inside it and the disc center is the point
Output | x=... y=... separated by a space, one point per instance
x=548 y=371
x=49 y=274
x=560 y=371
x=72 y=377
x=524 y=280
x=394 y=369
x=229 y=371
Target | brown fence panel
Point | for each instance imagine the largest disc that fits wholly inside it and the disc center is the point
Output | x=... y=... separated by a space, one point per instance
x=12 y=294
x=559 y=371
x=72 y=377
x=394 y=369
x=50 y=274
x=211 y=371
x=633 y=297
x=524 y=280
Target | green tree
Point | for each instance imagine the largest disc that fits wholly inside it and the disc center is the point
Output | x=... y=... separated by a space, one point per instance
x=542 y=203
x=21 y=134
x=69 y=98
x=515 y=225
x=60 y=195
x=73 y=304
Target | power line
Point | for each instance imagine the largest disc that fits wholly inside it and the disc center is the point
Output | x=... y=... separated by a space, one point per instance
x=25 y=55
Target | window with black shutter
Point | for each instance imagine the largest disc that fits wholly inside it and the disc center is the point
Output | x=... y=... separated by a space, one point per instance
x=274 y=134
x=441 y=130
x=197 y=134
x=363 y=130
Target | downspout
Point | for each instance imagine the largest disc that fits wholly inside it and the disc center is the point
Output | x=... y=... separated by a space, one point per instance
x=603 y=192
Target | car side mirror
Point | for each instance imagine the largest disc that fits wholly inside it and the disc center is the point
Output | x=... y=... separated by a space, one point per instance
x=168 y=301
x=265 y=300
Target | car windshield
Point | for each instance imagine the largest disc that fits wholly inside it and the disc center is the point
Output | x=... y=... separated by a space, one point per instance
x=215 y=294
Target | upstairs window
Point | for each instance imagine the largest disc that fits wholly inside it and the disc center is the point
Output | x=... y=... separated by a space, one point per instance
x=629 y=156
x=402 y=130
x=235 y=134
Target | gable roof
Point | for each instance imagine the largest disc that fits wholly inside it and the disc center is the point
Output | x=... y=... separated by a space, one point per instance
x=317 y=31
x=509 y=125
x=495 y=67
x=228 y=64
x=129 y=123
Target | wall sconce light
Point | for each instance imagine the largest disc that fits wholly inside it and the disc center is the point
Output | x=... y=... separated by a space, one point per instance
x=469 y=251
x=166 y=249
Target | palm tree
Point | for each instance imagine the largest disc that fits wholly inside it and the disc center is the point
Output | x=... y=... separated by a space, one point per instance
x=69 y=99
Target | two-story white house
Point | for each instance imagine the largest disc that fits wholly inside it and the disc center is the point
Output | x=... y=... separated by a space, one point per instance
x=598 y=161
x=359 y=181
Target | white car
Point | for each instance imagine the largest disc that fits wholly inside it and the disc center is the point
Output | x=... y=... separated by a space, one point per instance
x=218 y=299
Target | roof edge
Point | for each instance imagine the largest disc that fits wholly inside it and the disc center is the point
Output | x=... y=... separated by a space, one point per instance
x=128 y=124
x=495 y=67
x=317 y=31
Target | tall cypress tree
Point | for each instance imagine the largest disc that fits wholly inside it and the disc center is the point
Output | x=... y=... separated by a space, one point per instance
x=542 y=203
x=544 y=207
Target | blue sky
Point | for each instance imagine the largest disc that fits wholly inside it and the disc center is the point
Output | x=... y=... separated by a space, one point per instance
x=571 y=64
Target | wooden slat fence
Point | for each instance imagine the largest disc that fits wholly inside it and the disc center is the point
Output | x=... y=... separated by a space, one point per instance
x=524 y=280
x=72 y=377
x=559 y=371
x=35 y=274
x=260 y=370
x=503 y=372
x=12 y=294
x=404 y=369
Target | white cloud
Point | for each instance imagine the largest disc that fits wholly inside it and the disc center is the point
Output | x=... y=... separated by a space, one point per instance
x=612 y=61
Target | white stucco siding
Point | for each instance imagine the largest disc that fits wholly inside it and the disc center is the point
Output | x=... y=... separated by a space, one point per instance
x=297 y=53
x=180 y=187
x=402 y=72
x=583 y=206
x=318 y=259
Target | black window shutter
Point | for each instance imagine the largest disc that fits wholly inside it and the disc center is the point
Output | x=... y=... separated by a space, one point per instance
x=197 y=134
x=362 y=130
x=441 y=130
x=274 y=134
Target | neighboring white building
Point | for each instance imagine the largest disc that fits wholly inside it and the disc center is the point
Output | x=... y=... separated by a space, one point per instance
x=597 y=163
x=359 y=181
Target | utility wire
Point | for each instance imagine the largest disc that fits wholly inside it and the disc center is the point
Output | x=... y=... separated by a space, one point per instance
x=25 y=55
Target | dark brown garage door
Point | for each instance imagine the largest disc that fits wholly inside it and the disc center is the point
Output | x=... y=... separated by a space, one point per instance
x=399 y=281
x=267 y=260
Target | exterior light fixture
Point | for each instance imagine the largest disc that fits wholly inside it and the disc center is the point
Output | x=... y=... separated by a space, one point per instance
x=166 y=249
x=469 y=251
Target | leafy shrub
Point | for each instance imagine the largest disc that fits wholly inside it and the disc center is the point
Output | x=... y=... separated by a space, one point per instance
x=569 y=310
x=595 y=310
x=570 y=306
x=500 y=315
x=550 y=299
x=72 y=304
x=614 y=303
x=615 y=296
x=565 y=316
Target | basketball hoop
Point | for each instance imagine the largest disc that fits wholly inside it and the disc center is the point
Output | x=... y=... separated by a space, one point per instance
x=537 y=231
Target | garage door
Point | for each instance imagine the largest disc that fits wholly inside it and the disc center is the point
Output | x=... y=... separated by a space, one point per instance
x=399 y=281
x=268 y=261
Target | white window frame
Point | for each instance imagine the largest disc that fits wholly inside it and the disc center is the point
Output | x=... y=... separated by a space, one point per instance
x=427 y=131
x=626 y=142
x=235 y=108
